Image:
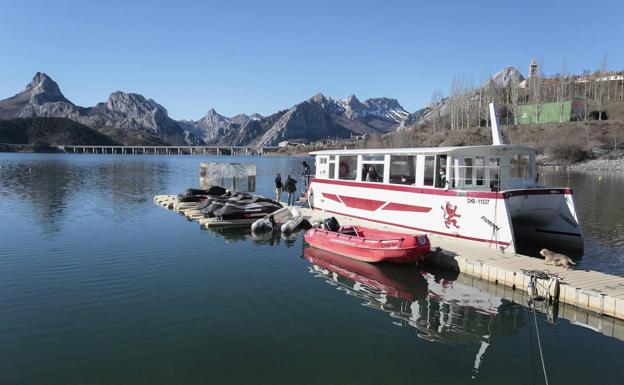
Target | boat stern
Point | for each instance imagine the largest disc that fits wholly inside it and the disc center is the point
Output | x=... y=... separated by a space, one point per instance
x=545 y=218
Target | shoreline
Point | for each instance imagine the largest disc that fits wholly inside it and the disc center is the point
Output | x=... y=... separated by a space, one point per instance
x=612 y=160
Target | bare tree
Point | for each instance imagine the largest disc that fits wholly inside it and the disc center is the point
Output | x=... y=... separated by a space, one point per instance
x=600 y=86
x=452 y=103
x=514 y=95
x=434 y=105
x=591 y=151
x=561 y=89
x=622 y=86
x=487 y=97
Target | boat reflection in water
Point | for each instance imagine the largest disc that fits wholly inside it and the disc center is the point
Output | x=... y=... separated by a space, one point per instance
x=441 y=309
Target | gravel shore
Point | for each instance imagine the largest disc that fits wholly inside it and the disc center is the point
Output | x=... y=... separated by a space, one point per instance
x=599 y=164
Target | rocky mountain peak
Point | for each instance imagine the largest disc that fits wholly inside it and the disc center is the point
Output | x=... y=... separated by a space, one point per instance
x=383 y=103
x=212 y=112
x=129 y=103
x=504 y=76
x=157 y=105
x=328 y=104
x=212 y=116
x=319 y=98
x=353 y=107
x=43 y=89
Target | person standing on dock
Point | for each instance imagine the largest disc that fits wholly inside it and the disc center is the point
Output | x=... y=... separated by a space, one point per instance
x=305 y=173
x=278 y=187
x=291 y=187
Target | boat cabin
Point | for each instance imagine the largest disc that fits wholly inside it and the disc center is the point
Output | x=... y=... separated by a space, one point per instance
x=480 y=168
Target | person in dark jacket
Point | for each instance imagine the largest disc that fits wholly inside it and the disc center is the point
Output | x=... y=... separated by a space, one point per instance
x=291 y=187
x=305 y=173
x=278 y=188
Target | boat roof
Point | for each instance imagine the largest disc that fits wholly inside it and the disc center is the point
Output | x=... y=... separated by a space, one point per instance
x=422 y=150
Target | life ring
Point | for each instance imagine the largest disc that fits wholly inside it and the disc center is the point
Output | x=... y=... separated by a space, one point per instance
x=311 y=199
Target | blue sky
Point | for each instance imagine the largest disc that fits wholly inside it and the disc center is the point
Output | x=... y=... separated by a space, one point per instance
x=261 y=56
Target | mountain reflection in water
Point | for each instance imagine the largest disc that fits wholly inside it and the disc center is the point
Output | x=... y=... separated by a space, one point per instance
x=440 y=309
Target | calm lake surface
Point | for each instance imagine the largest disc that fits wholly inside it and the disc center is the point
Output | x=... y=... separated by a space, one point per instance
x=100 y=286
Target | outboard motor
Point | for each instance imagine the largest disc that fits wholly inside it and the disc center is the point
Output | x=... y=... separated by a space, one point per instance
x=331 y=224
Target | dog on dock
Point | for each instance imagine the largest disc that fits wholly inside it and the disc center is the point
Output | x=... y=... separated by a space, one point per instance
x=552 y=258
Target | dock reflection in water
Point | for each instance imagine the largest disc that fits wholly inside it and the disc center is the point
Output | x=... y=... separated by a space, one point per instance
x=439 y=308
x=271 y=238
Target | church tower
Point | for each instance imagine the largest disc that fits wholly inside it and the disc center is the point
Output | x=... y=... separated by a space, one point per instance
x=533 y=68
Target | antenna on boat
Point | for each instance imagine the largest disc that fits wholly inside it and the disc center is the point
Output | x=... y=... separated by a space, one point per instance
x=497 y=136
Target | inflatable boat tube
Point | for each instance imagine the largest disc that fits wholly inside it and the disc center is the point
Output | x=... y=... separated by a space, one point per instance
x=292 y=224
x=272 y=220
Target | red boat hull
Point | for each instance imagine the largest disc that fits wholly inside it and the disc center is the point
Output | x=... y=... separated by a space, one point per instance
x=370 y=245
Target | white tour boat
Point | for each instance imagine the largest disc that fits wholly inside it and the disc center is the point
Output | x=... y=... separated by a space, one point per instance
x=488 y=194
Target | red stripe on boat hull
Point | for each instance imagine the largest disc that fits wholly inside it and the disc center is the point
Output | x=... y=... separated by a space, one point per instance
x=402 y=207
x=361 y=203
x=332 y=197
x=420 y=229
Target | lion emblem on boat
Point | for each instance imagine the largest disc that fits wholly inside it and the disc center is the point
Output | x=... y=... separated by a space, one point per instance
x=450 y=215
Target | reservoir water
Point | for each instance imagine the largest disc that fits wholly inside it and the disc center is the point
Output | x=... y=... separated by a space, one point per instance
x=100 y=286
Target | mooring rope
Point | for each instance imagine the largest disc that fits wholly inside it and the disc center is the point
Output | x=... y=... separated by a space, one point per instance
x=532 y=356
x=533 y=296
x=539 y=345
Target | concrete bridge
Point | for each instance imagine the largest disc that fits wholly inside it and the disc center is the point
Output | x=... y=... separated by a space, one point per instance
x=167 y=150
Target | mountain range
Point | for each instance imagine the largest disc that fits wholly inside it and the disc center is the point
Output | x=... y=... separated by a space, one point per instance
x=132 y=119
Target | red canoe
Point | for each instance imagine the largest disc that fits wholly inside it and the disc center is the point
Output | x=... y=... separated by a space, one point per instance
x=370 y=245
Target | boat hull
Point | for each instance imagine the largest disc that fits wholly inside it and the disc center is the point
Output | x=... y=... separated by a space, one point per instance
x=482 y=217
x=389 y=247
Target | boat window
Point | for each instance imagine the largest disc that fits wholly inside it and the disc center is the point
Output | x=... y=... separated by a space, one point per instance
x=468 y=162
x=441 y=175
x=494 y=173
x=402 y=169
x=479 y=170
x=322 y=167
x=347 y=167
x=332 y=167
x=373 y=158
x=429 y=170
x=373 y=172
x=332 y=170
x=520 y=166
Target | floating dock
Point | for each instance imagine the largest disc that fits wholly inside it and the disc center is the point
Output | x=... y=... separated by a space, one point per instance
x=590 y=290
x=599 y=292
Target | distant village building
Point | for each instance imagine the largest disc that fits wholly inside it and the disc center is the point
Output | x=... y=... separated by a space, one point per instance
x=554 y=112
x=286 y=143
